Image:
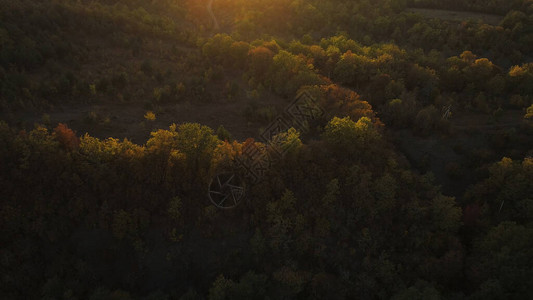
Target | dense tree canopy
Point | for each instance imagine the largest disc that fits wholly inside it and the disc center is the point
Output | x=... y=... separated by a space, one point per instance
x=398 y=163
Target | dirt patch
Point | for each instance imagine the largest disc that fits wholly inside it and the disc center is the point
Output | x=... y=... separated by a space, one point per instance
x=457 y=16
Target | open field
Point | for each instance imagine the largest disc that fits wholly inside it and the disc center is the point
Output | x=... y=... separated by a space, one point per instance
x=457 y=16
x=126 y=120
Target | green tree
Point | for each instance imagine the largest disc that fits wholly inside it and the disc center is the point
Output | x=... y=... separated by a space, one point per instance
x=198 y=143
x=289 y=72
x=351 y=138
x=502 y=262
x=446 y=214
x=218 y=47
x=223 y=134
x=427 y=119
x=221 y=289
x=239 y=52
x=346 y=70
x=260 y=60
x=288 y=142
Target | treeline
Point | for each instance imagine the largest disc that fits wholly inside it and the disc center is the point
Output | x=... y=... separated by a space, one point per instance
x=159 y=61
x=408 y=87
x=371 y=22
x=340 y=216
x=500 y=7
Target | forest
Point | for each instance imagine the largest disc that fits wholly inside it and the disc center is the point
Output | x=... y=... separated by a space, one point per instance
x=266 y=149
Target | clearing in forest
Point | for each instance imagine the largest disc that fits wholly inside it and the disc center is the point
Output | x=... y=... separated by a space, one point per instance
x=457 y=16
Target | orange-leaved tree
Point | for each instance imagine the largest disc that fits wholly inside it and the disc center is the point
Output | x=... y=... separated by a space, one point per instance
x=66 y=137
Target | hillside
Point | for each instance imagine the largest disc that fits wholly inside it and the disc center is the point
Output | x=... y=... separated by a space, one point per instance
x=281 y=149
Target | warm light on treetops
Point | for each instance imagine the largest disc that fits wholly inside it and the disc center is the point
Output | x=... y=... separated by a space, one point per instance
x=266 y=149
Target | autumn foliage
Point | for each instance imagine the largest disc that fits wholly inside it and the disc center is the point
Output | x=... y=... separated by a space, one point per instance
x=66 y=137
